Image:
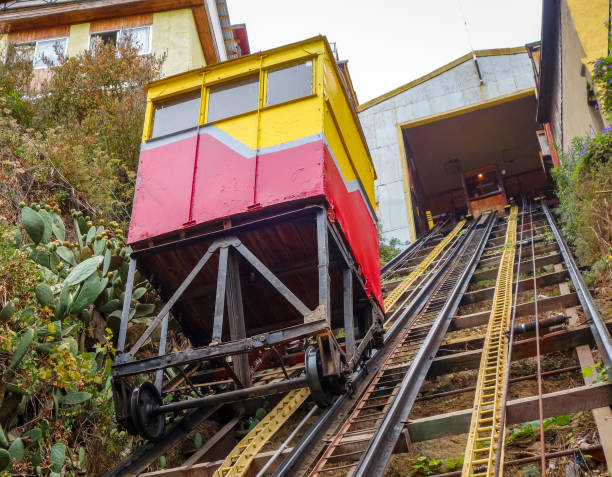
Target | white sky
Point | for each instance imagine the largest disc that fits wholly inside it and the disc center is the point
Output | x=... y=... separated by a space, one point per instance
x=390 y=42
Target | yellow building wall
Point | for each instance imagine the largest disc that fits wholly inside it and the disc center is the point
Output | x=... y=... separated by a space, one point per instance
x=578 y=118
x=175 y=35
x=589 y=17
x=78 y=41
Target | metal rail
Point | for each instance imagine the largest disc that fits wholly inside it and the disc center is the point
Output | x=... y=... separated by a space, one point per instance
x=413 y=303
x=381 y=403
x=538 y=355
x=237 y=463
x=403 y=287
x=481 y=448
x=447 y=296
x=409 y=252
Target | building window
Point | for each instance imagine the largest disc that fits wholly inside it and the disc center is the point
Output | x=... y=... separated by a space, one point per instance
x=22 y=52
x=42 y=53
x=289 y=83
x=176 y=114
x=140 y=36
x=233 y=98
x=47 y=52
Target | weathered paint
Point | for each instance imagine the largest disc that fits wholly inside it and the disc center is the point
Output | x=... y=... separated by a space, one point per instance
x=448 y=89
x=175 y=35
x=575 y=116
x=230 y=178
x=78 y=41
x=306 y=148
x=588 y=20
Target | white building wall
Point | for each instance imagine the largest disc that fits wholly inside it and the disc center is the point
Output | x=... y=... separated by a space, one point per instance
x=456 y=88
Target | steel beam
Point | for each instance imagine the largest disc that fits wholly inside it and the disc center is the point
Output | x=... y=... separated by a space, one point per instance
x=559 y=302
x=235 y=313
x=581 y=398
x=349 y=317
x=323 y=263
x=555 y=341
x=235 y=396
x=159 y=374
x=125 y=312
x=246 y=345
x=217 y=332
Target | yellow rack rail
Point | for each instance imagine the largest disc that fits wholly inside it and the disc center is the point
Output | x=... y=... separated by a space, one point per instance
x=480 y=452
x=237 y=463
x=403 y=287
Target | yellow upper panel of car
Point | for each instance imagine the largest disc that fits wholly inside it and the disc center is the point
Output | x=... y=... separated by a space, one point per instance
x=265 y=99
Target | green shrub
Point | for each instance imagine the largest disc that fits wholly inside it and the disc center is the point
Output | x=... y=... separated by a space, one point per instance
x=56 y=340
x=77 y=135
x=584 y=189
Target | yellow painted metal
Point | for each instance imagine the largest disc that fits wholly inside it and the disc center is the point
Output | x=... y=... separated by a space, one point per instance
x=481 y=449
x=237 y=463
x=326 y=112
x=403 y=287
x=430 y=221
x=406 y=182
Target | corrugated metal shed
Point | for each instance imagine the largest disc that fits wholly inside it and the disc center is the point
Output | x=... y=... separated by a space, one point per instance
x=504 y=72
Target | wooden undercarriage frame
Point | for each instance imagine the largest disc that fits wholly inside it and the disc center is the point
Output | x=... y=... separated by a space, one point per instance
x=329 y=364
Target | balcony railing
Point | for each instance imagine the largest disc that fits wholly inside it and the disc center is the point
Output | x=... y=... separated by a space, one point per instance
x=9 y=4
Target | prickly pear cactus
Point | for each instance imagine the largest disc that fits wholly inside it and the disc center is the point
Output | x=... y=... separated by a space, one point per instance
x=91 y=271
x=56 y=337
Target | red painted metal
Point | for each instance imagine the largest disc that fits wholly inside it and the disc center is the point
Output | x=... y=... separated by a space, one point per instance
x=357 y=225
x=227 y=181
x=163 y=190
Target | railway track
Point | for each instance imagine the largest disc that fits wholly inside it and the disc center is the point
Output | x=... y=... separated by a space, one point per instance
x=357 y=434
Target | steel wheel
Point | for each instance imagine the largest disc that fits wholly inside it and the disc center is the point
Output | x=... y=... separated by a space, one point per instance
x=144 y=404
x=314 y=377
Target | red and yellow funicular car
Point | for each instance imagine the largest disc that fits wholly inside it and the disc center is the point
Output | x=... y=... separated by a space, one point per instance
x=254 y=217
x=484 y=190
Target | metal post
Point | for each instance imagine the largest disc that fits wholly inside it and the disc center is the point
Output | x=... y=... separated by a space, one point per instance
x=159 y=374
x=125 y=312
x=220 y=297
x=323 y=259
x=349 y=323
x=235 y=313
x=174 y=298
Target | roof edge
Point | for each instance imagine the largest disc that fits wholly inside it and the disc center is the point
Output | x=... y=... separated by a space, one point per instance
x=238 y=59
x=462 y=59
x=548 y=56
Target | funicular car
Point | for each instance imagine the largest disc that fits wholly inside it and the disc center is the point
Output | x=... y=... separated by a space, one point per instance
x=254 y=218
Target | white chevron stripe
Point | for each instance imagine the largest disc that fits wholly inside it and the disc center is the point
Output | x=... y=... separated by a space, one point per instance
x=249 y=153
